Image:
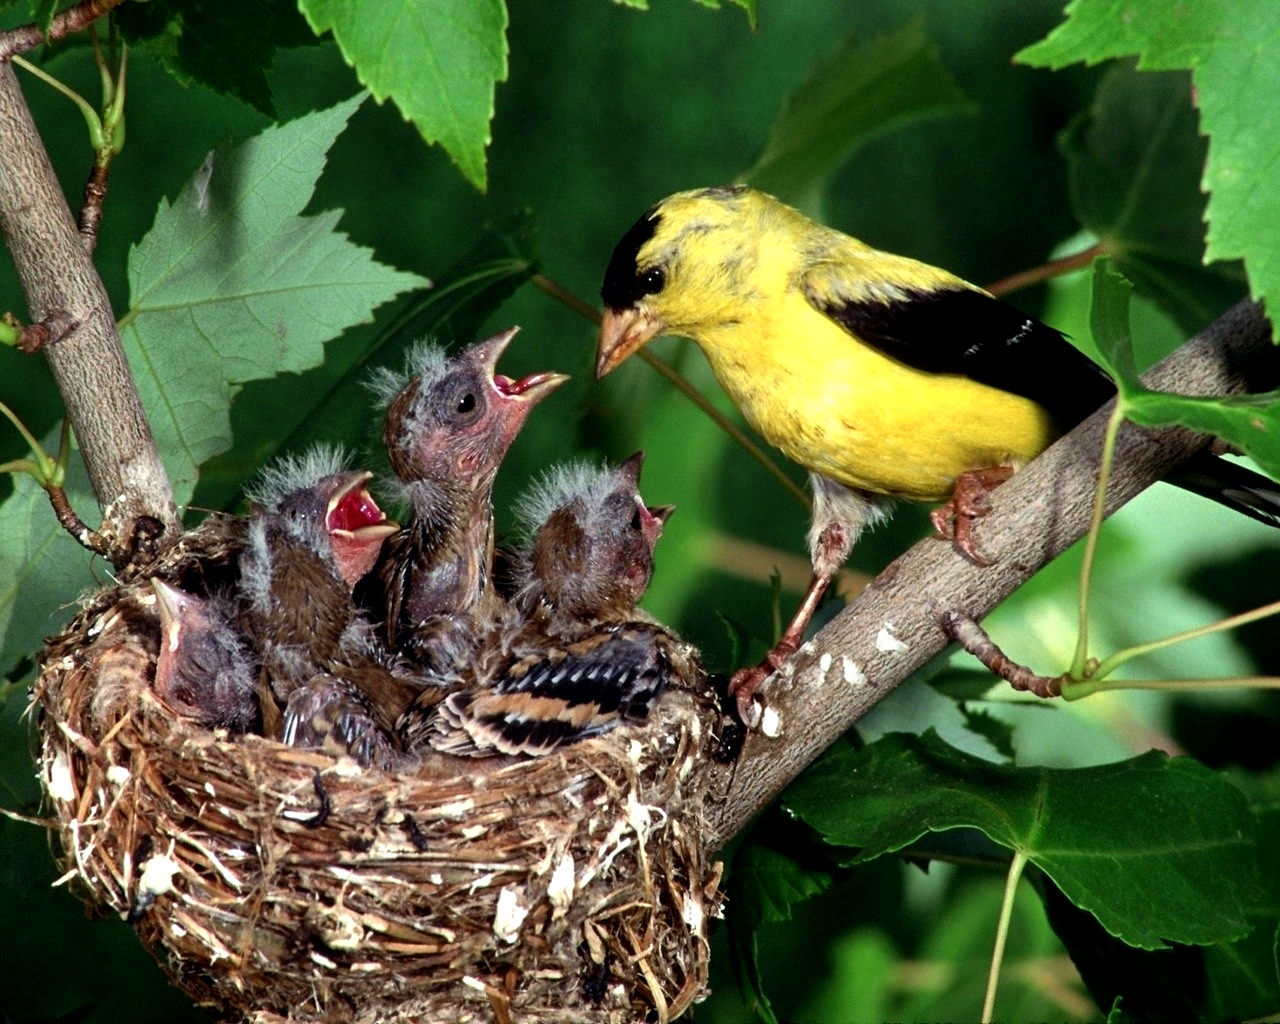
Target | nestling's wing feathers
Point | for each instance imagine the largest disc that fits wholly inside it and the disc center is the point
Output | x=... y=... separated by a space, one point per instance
x=946 y=326
x=560 y=694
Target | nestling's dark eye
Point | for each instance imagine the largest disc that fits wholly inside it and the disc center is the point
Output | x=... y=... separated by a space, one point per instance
x=466 y=403
x=635 y=519
x=652 y=280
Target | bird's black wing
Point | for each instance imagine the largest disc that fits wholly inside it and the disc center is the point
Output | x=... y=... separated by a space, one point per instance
x=964 y=331
x=559 y=694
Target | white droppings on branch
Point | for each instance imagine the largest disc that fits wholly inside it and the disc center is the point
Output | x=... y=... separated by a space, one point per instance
x=853 y=674
x=887 y=642
x=770 y=723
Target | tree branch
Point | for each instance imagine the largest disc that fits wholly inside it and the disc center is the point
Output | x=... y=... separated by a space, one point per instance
x=89 y=365
x=895 y=625
x=28 y=37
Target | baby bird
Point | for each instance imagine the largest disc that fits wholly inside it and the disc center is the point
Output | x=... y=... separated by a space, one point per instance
x=576 y=657
x=202 y=668
x=315 y=533
x=447 y=428
x=883 y=376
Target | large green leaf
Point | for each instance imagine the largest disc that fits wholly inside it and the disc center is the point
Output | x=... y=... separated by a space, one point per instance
x=330 y=402
x=765 y=884
x=231 y=285
x=1232 y=48
x=847 y=99
x=1159 y=850
x=438 y=61
x=228 y=46
x=41 y=568
x=1250 y=423
x=1134 y=161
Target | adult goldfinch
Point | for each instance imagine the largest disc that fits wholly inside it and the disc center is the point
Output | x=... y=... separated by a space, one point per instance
x=883 y=376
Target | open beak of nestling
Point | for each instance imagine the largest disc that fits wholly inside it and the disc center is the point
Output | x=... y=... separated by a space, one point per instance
x=356 y=526
x=527 y=390
x=169 y=604
x=622 y=331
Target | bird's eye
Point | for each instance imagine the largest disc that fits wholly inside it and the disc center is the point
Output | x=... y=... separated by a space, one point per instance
x=635 y=519
x=652 y=280
x=466 y=403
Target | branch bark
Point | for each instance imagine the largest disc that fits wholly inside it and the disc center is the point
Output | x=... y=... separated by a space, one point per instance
x=28 y=37
x=895 y=625
x=58 y=274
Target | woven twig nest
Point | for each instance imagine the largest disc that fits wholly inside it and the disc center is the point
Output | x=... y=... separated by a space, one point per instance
x=272 y=882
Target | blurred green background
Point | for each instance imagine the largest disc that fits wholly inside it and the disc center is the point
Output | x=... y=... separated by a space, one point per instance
x=606 y=110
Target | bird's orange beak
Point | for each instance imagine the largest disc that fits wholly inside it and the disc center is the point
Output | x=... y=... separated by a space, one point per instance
x=622 y=331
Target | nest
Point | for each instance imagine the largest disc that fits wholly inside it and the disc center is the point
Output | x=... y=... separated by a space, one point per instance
x=273 y=882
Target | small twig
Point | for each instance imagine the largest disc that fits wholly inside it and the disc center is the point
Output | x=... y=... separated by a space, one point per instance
x=95 y=191
x=973 y=638
x=31 y=338
x=1034 y=275
x=73 y=524
x=562 y=295
x=1075 y=691
x=74 y=19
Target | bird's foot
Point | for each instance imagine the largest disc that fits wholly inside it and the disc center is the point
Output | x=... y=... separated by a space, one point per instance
x=744 y=683
x=969 y=502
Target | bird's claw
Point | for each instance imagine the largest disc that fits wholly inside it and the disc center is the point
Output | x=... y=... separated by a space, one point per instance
x=970 y=501
x=744 y=683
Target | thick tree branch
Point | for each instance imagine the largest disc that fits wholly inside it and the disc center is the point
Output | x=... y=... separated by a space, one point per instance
x=895 y=625
x=73 y=19
x=89 y=365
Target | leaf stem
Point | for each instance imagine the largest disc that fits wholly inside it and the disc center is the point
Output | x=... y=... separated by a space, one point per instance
x=1113 y=662
x=1002 y=933
x=1085 y=687
x=1054 y=268
x=32 y=443
x=86 y=108
x=1080 y=660
x=678 y=381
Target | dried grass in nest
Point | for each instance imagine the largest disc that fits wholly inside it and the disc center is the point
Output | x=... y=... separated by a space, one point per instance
x=273 y=882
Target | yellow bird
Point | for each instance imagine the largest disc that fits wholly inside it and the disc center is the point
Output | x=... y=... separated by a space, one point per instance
x=883 y=376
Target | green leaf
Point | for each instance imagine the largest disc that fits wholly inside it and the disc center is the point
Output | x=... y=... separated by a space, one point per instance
x=228 y=46
x=231 y=285
x=1109 y=324
x=41 y=568
x=42 y=14
x=1107 y=836
x=329 y=402
x=438 y=61
x=1134 y=161
x=847 y=99
x=995 y=731
x=764 y=885
x=1250 y=423
x=1232 y=48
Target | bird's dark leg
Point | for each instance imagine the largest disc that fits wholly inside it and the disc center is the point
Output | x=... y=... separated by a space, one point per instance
x=839 y=515
x=744 y=683
x=954 y=520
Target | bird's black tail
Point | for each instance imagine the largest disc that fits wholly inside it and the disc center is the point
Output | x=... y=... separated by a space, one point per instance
x=1232 y=485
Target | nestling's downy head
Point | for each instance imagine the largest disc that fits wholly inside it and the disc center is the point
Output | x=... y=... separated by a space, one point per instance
x=202 y=670
x=591 y=539
x=452 y=419
x=689 y=264
x=326 y=507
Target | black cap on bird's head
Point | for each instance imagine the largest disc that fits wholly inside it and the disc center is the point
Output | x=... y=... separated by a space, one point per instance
x=454 y=418
x=592 y=538
x=636 y=290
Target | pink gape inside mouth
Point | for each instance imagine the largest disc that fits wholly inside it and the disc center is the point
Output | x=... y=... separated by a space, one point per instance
x=515 y=388
x=355 y=510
